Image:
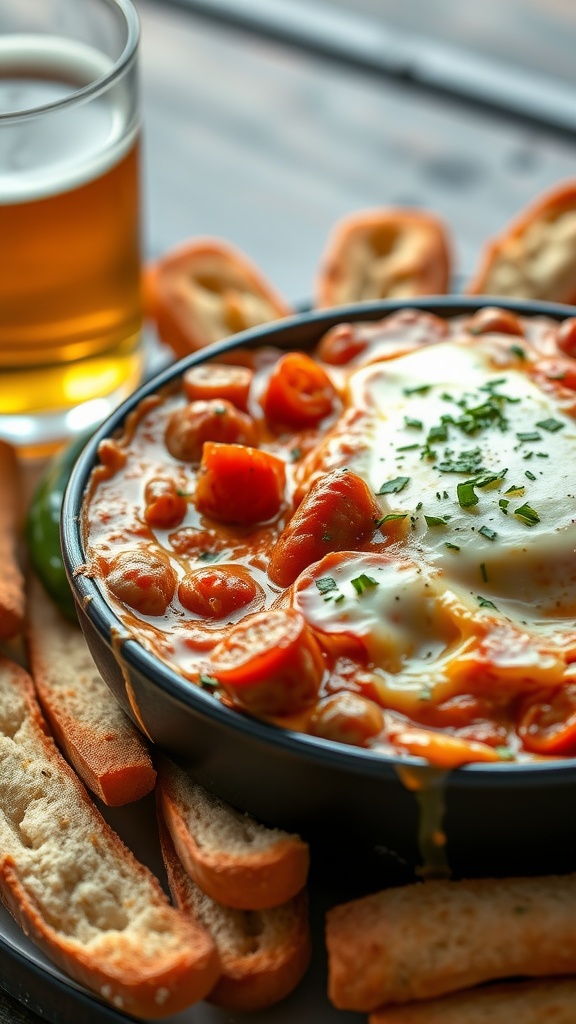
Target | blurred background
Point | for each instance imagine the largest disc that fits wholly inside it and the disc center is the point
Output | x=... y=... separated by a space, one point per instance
x=267 y=120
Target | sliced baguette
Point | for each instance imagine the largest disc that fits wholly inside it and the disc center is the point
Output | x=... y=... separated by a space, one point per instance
x=426 y=940
x=264 y=953
x=527 y=1002
x=231 y=857
x=106 y=749
x=74 y=887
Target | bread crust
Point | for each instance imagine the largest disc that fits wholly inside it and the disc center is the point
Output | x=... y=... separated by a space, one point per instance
x=264 y=954
x=74 y=887
x=104 y=746
x=254 y=868
x=426 y=940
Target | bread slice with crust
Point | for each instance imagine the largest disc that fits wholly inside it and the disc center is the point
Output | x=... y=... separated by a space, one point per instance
x=106 y=749
x=74 y=887
x=264 y=953
x=231 y=857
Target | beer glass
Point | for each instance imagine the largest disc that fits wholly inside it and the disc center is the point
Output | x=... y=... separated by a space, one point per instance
x=70 y=302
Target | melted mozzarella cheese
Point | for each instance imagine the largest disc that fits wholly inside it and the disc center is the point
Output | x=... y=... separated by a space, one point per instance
x=442 y=417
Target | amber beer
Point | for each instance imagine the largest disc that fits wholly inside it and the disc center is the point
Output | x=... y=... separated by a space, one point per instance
x=70 y=307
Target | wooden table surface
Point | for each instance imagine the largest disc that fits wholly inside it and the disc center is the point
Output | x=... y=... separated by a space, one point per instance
x=267 y=145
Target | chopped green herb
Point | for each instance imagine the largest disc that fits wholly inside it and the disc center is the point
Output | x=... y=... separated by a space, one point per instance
x=505 y=754
x=451 y=547
x=504 y=505
x=407 y=447
x=488 y=533
x=530 y=475
x=437 y=433
x=394 y=486
x=390 y=518
x=550 y=424
x=326 y=583
x=208 y=682
x=420 y=389
x=209 y=556
x=467 y=496
x=483 y=572
x=529 y=435
x=363 y=582
x=436 y=520
x=516 y=491
x=295 y=454
x=485 y=603
x=326 y=537
x=339 y=598
x=527 y=514
x=517 y=350
x=412 y=423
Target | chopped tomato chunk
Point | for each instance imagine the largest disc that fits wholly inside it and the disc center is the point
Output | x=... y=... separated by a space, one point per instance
x=299 y=393
x=338 y=513
x=238 y=484
x=270 y=663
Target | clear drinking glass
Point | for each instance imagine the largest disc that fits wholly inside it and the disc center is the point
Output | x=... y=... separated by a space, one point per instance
x=70 y=257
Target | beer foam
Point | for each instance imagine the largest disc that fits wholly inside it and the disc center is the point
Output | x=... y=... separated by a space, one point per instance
x=71 y=141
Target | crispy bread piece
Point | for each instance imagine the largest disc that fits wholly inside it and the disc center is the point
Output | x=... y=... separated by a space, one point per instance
x=426 y=940
x=534 y=256
x=74 y=887
x=11 y=578
x=384 y=253
x=205 y=290
x=264 y=953
x=232 y=858
x=526 y=1002
x=104 y=746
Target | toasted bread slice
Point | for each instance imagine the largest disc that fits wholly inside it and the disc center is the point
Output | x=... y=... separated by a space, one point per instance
x=205 y=290
x=231 y=857
x=106 y=749
x=384 y=253
x=264 y=953
x=534 y=256
x=11 y=578
x=74 y=887
x=426 y=940
x=528 y=1002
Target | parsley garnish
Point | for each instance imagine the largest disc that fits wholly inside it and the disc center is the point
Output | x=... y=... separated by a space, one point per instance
x=209 y=556
x=485 y=603
x=488 y=533
x=391 y=517
x=529 y=435
x=420 y=389
x=527 y=514
x=394 y=486
x=467 y=496
x=414 y=424
x=326 y=583
x=436 y=520
x=452 y=547
x=363 y=582
x=551 y=425
x=530 y=475
x=208 y=682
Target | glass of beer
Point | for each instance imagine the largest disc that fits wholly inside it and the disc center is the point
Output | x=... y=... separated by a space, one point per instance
x=70 y=256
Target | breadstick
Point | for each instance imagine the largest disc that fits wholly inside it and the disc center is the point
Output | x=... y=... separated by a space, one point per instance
x=429 y=939
x=525 y=1002
x=11 y=578
x=106 y=749
x=74 y=887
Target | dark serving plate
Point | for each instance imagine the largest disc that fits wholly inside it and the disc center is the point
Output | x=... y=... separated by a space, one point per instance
x=350 y=803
